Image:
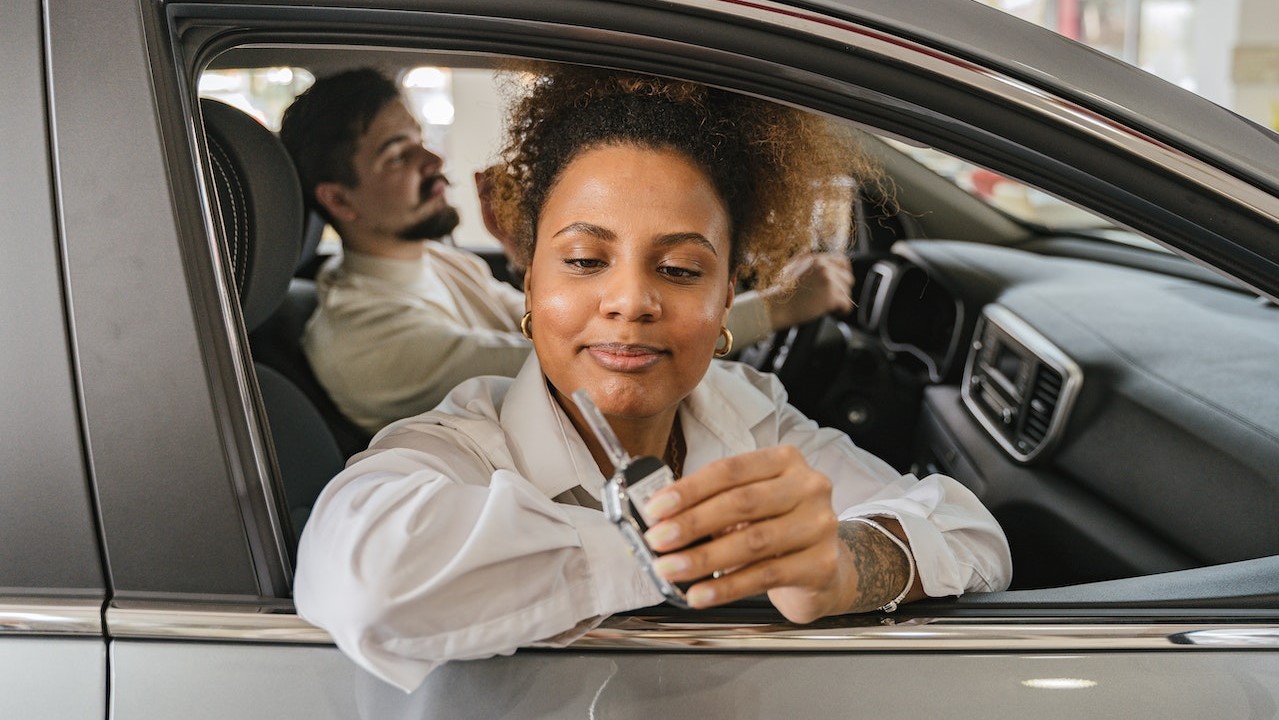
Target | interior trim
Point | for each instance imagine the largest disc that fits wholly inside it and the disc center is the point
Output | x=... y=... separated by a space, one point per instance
x=1072 y=378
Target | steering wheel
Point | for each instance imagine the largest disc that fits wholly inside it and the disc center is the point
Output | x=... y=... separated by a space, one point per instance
x=841 y=377
x=805 y=358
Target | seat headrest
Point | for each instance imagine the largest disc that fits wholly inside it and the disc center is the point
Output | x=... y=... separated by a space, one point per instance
x=259 y=201
x=313 y=230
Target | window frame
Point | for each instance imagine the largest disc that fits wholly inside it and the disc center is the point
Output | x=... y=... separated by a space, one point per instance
x=183 y=37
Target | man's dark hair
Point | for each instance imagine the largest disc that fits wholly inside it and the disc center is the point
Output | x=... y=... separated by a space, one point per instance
x=320 y=129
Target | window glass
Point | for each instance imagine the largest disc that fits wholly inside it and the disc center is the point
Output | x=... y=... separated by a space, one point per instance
x=263 y=93
x=1017 y=199
x=458 y=108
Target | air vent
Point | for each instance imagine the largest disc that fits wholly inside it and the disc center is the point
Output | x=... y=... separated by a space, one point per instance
x=1045 y=395
x=1018 y=385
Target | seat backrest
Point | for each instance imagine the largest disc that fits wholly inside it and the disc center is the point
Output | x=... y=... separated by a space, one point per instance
x=309 y=260
x=277 y=343
x=260 y=215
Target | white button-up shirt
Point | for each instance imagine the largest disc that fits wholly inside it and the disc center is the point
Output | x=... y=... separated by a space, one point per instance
x=472 y=530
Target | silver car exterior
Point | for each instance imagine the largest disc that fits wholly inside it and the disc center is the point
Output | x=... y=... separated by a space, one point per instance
x=146 y=567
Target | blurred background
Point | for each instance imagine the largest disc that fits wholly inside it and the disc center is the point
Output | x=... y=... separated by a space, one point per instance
x=1225 y=50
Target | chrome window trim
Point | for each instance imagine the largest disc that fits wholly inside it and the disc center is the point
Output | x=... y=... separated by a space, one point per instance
x=831 y=635
x=50 y=616
x=213 y=623
x=925 y=635
x=242 y=403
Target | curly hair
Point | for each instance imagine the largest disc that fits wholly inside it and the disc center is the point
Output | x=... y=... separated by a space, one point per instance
x=781 y=172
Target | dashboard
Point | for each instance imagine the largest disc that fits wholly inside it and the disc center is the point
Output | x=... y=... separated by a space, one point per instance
x=1112 y=417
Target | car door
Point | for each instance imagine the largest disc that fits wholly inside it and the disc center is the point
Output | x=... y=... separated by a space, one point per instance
x=200 y=622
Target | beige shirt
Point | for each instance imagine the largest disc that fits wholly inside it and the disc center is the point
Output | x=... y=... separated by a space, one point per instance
x=391 y=338
x=472 y=530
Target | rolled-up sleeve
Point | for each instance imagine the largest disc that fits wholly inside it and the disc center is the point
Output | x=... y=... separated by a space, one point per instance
x=412 y=559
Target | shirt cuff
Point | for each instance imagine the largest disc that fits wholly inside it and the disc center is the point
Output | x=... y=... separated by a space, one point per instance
x=949 y=544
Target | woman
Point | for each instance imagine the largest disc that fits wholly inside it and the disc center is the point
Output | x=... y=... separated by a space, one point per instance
x=475 y=529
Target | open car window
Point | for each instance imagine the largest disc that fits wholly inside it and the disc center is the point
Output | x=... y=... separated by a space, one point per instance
x=910 y=379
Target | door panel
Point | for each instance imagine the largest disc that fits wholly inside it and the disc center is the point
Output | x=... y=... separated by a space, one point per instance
x=45 y=677
x=45 y=506
x=191 y=680
x=195 y=681
x=47 y=532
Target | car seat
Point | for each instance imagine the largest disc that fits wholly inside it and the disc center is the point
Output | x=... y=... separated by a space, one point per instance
x=277 y=343
x=259 y=219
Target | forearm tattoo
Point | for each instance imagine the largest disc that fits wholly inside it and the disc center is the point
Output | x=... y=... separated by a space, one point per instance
x=881 y=567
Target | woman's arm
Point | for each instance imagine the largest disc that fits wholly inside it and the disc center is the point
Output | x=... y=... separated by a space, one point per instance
x=882 y=567
x=411 y=559
x=785 y=517
x=772 y=530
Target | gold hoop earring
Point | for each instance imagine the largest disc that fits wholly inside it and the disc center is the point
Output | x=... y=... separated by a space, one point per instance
x=526 y=325
x=728 y=342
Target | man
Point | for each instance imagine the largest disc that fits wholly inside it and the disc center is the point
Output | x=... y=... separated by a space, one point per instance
x=403 y=318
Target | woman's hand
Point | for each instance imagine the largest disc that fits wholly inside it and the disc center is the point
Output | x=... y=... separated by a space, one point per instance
x=772 y=530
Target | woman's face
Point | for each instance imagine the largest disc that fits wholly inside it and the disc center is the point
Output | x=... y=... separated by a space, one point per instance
x=629 y=282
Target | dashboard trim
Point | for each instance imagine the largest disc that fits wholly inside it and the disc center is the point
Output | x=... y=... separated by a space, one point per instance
x=1047 y=353
x=872 y=308
x=937 y=368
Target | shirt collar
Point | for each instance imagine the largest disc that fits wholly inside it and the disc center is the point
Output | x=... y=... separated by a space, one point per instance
x=720 y=414
x=717 y=418
x=536 y=428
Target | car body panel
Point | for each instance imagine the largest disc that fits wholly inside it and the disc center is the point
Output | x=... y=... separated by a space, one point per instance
x=53 y=678
x=50 y=562
x=217 y=681
x=236 y=680
x=47 y=506
x=149 y=412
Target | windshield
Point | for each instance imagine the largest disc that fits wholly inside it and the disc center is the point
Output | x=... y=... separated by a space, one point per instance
x=1002 y=192
x=1020 y=201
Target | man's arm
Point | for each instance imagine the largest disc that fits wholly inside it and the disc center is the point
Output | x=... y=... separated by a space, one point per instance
x=381 y=363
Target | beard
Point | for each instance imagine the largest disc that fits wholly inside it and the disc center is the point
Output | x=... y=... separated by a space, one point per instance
x=436 y=225
x=432 y=227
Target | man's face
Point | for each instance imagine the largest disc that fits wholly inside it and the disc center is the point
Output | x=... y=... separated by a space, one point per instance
x=400 y=191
